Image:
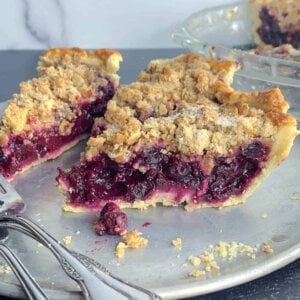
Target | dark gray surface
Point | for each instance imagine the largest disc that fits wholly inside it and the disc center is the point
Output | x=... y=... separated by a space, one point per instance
x=20 y=65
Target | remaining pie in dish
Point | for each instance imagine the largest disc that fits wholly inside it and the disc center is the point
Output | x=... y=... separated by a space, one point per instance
x=181 y=134
x=276 y=22
x=52 y=112
x=285 y=51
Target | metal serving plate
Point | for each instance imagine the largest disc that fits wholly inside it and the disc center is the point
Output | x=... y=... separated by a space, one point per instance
x=160 y=266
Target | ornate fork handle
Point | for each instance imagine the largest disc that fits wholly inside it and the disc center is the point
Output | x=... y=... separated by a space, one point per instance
x=96 y=282
x=31 y=287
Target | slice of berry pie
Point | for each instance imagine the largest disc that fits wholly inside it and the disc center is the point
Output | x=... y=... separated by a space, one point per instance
x=52 y=112
x=181 y=134
x=276 y=22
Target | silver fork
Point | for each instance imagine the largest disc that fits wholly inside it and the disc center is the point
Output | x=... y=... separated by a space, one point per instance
x=94 y=279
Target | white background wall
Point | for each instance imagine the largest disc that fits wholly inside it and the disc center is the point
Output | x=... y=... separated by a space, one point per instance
x=39 y=24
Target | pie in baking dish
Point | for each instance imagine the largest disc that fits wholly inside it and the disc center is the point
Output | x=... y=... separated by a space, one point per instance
x=181 y=134
x=52 y=112
x=276 y=22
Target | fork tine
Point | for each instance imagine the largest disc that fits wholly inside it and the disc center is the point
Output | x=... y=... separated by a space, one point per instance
x=31 y=287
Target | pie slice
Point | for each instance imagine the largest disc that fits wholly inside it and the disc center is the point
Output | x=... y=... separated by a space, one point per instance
x=276 y=22
x=181 y=134
x=54 y=111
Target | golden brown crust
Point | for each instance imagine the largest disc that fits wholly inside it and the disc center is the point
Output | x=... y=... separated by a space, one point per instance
x=106 y=60
x=185 y=105
x=67 y=77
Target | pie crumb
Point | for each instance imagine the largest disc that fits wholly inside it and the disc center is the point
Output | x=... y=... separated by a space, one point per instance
x=264 y=216
x=40 y=245
x=133 y=239
x=295 y=196
x=194 y=260
x=120 y=249
x=177 y=243
x=130 y=239
x=267 y=248
x=197 y=273
x=5 y=269
x=67 y=240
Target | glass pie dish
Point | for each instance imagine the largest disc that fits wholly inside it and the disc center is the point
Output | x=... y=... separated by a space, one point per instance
x=226 y=32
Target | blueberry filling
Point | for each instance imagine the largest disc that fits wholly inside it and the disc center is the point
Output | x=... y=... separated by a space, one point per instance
x=100 y=180
x=26 y=148
x=270 y=32
x=112 y=220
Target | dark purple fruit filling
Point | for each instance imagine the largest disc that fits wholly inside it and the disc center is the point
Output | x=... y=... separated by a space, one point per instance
x=270 y=32
x=112 y=220
x=23 y=150
x=100 y=180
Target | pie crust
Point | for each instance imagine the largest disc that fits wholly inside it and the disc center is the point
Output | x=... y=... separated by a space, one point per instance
x=181 y=134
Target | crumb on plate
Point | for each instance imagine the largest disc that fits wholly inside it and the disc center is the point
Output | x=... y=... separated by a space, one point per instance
x=267 y=248
x=177 y=243
x=131 y=239
x=67 y=240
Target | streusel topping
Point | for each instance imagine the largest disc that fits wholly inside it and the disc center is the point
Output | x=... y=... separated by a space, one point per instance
x=186 y=105
x=62 y=85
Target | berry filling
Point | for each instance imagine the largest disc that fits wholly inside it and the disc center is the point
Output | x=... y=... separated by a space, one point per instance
x=151 y=172
x=23 y=150
x=270 y=32
x=112 y=220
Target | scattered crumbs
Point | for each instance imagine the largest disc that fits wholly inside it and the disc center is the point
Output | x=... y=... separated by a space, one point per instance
x=38 y=220
x=77 y=232
x=178 y=255
x=264 y=216
x=295 y=196
x=194 y=260
x=5 y=269
x=221 y=230
x=177 y=243
x=208 y=260
x=37 y=252
x=134 y=240
x=131 y=239
x=146 y=224
x=40 y=245
x=67 y=240
x=267 y=248
x=120 y=249
x=206 y=257
x=184 y=265
x=197 y=273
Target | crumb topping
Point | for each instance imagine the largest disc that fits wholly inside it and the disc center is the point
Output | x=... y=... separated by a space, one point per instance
x=5 y=269
x=187 y=105
x=177 y=243
x=267 y=248
x=295 y=196
x=209 y=260
x=67 y=240
x=67 y=78
x=131 y=239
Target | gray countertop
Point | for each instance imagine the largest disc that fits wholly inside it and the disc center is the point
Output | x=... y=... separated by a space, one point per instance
x=20 y=65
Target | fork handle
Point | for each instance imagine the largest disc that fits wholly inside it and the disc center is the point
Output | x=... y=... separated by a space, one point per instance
x=31 y=287
x=96 y=282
